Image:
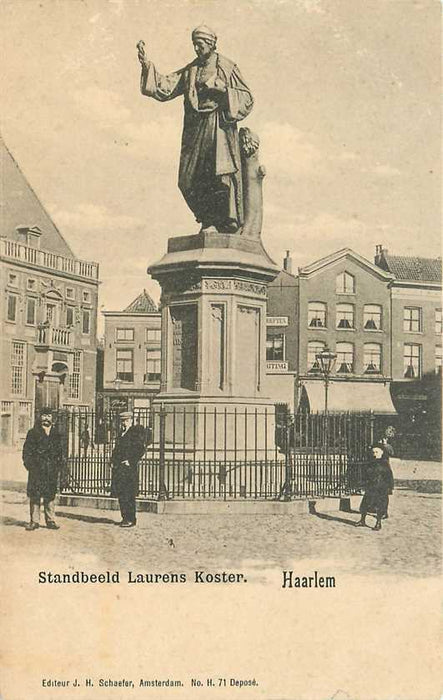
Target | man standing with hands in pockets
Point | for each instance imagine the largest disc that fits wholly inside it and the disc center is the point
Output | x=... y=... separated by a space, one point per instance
x=128 y=450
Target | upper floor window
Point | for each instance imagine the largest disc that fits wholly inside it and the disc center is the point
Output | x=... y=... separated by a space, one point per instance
x=12 y=279
x=31 y=310
x=51 y=313
x=153 y=365
x=74 y=386
x=438 y=358
x=11 y=307
x=438 y=325
x=86 y=296
x=86 y=321
x=275 y=346
x=372 y=317
x=70 y=315
x=70 y=293
x=315 y=347
x=125 y=365
x=124 y=334
x=153 y=335
x=316 y=314
x=412 y=361
x=345 y=283
x=372 y=358
x=31 y=284
x=345 y=316
x=345 y=358
x=412 y=319
x=18 y=367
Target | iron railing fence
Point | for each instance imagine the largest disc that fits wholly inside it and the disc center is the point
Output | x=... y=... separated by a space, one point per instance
x=222 y=453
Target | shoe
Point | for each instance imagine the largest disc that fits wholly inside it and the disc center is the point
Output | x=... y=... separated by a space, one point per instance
x=128 y=524
x=360 y=524
x=385 y=517
x=377 y=526
x=52 y=526
x=32 y=526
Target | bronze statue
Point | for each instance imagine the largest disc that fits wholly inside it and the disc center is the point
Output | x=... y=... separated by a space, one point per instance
x=215 y=99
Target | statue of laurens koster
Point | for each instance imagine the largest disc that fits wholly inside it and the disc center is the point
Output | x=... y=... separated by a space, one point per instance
x=215 y=99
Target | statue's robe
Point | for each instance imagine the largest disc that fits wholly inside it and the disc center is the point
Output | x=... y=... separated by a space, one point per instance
x=210 y=166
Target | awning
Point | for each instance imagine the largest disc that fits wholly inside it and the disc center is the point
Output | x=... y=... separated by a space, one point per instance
x=348 y=396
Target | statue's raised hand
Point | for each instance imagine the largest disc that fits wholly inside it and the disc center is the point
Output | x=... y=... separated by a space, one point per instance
x=142 y=53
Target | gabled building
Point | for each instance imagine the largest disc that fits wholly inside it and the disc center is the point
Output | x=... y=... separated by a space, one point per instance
x=48 y=312
x=132 y=355
x=340 y=302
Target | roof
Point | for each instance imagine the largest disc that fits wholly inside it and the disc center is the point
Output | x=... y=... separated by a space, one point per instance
x=142 y=304
x=20 y=207
x=338 y=255
x=413 y=268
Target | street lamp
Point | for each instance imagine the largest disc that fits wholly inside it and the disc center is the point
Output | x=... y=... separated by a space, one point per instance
x=326 y=359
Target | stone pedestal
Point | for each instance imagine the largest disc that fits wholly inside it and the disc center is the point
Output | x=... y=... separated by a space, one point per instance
x=214 y=342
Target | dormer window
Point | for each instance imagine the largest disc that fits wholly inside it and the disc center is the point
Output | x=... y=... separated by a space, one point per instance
x=31 y=235
x=345 y=283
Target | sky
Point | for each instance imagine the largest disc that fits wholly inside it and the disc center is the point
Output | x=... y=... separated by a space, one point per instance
x=347 y=96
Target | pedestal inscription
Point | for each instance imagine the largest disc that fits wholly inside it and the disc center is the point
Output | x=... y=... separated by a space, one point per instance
x=184 y=344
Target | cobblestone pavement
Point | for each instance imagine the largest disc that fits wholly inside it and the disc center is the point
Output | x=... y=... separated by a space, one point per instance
x=409 y=544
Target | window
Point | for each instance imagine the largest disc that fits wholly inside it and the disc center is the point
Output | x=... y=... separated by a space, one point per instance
x=438 y=328
x=31 y=308
x=345 y=283
x=438 y=358
x=74 y=387
x=372 y=358
x=316 y=314
x=412 y=319
x=125 y=365
x=11 y=312
x=275 y=346
x=372 y=317
x=412 y=361
x=51 y=312
x=70 y=294
x=126 y=334
x=345 y=316
x=86 y=321
x=153 y=335
x=153 y=365
x=12 y=279
x=314 y=348
x=86 y=297
x=69 y=315
x=345 y=358
x=31 y=284
x=18 y=365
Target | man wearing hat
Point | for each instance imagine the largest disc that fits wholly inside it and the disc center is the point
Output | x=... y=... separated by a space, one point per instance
x=43 y=458
x=128 y=450
x=215 y=99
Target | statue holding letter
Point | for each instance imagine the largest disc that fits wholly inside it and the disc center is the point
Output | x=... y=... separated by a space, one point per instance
x=215 y=99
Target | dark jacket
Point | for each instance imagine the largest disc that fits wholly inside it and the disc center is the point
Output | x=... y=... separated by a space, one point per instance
x=43 y=458
x=129 y=447
x=379 y=484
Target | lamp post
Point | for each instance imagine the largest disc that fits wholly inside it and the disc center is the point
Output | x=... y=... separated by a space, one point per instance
x=326 y=359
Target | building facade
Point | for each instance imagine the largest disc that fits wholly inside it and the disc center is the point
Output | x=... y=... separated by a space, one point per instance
x=48 y=313
x=132 y=355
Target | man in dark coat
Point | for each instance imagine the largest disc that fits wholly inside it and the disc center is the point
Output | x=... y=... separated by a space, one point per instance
x=43 y=458
x=128 y=450
x=379 y=485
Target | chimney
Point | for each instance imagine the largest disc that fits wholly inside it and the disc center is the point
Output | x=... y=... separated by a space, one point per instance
x=287 y=262
x=379 y=253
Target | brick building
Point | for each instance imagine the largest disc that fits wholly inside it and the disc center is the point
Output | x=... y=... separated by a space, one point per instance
x=48 y=313
x=132 y=355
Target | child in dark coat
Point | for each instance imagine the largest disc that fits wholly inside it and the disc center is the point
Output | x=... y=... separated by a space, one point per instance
x=379 y=485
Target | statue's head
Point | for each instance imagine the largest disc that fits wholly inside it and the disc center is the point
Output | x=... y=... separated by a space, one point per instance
x=204 y=40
